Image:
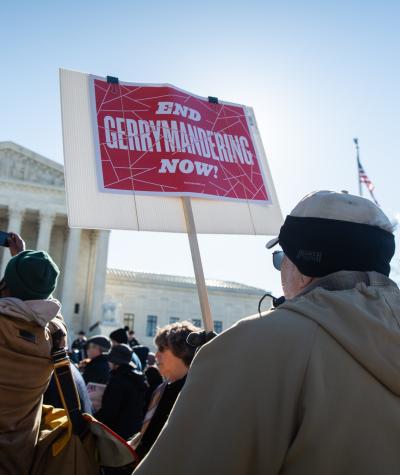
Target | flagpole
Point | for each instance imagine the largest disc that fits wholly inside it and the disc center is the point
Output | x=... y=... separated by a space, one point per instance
x=355 y=140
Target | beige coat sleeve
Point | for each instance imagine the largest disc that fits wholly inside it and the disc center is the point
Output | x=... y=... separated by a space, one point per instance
x=241 y=405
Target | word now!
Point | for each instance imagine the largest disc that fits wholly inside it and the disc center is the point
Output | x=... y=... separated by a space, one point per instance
x=187 y=166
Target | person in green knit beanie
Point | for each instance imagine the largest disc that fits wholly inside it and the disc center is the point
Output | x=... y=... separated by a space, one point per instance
x=29 y=317
x=31 y=275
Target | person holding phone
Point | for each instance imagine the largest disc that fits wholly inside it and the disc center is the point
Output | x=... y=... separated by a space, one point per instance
x=13 y=241
x=29 y=316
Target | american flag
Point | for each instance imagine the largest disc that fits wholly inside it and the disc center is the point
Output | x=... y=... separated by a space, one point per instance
x=363 y=177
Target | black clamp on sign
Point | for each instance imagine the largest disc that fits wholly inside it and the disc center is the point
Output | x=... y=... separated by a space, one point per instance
x=114 y=82
x=212 y=100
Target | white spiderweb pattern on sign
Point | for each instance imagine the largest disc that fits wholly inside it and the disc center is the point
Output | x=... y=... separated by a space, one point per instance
x=134 y=164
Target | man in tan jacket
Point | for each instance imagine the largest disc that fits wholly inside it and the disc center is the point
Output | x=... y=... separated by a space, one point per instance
x=28 y=317
x=319 y=392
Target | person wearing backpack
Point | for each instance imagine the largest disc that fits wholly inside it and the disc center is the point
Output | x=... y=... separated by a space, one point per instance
x=29 y=316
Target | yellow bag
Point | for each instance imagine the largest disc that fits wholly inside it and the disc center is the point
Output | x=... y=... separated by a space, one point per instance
x=73 y=443
x=59 y=451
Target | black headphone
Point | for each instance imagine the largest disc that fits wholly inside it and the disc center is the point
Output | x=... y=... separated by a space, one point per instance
x=198 y=339
x=276 y=301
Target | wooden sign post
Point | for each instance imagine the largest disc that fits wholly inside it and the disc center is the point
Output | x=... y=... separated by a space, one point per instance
x=197 y=265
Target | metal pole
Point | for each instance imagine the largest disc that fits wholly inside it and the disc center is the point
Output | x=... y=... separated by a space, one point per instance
x=197 y=265
x=358 y=166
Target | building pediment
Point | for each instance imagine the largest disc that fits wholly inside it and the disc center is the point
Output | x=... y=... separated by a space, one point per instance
x=21 y=164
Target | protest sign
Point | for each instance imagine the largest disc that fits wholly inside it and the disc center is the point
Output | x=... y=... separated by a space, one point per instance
x=159 y=139
x=95 y=392
x=133 y=150
x=154 y=157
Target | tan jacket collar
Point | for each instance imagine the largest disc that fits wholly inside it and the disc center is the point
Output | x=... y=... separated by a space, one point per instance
x=345 y=280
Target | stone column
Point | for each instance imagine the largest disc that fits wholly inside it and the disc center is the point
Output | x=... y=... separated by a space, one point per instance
x=15 y=217
x=70 y=275
x=99 y=281
x=45 y=226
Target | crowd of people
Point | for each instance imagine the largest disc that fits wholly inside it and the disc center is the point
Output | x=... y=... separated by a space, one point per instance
x=119 y=381
x=124 y=385
x=137 y=388
x=309 y=387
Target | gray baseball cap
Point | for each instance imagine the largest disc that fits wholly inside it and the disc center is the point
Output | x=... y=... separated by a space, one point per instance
x=341 y=207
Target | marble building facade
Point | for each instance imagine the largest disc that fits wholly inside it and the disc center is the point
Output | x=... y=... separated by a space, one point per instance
x=32 y=203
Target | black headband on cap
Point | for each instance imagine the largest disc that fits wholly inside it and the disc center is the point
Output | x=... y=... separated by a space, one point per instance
x=319 y=246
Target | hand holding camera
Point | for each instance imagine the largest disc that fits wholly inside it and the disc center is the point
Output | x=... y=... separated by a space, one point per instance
x=13 y=241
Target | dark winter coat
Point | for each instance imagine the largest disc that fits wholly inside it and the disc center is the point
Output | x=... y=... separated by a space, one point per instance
x=154 y=379
x=160 y=416
x=78 y=348
x=123 y=401
x=97 y=371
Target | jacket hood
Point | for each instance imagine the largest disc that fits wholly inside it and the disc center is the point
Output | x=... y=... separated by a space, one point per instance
x=361 y=311
x=36 y=311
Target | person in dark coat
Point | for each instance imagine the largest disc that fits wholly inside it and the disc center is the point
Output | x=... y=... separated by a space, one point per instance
x=174 y=356
x=123 y=399
x=132 y=341
x=141 y=351
x=78 y=346
x=120 y=337
x=96 y=370
x=153 y=377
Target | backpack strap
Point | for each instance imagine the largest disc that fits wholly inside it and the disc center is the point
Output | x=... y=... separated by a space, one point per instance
x=67 y=388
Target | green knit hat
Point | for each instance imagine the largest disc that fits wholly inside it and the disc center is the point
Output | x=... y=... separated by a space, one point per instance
x=31 y=275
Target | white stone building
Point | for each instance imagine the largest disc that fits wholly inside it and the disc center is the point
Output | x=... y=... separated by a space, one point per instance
x=32 y=203
x=146 y=301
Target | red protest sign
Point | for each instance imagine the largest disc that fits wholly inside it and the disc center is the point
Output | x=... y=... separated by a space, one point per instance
x=160 y=139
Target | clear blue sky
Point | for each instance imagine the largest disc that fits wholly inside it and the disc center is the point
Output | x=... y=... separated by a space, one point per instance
x=316 y=73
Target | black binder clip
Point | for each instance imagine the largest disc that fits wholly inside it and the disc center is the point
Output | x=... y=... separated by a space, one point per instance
x=213 y=100
x=114 y=82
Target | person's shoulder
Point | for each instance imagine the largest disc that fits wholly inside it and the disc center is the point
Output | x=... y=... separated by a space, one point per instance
x=99 y=361
x=282 y=321
x=151 y=370
x=275 y=344
x=279 y=331
x=131 y=378
x=129 y=372
x=102 y=359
